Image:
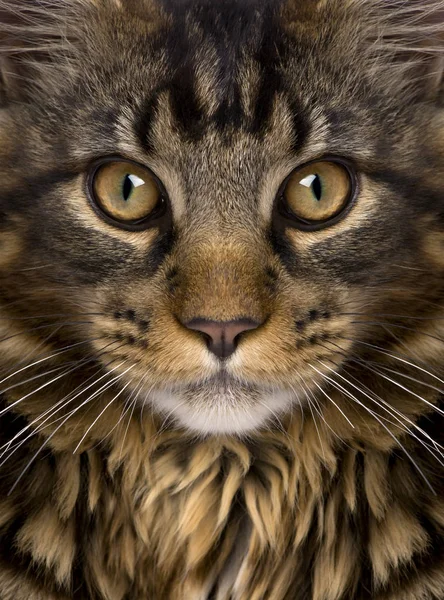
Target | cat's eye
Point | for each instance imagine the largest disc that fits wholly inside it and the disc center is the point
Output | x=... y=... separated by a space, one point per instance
x=126 y=193
x=317 y=194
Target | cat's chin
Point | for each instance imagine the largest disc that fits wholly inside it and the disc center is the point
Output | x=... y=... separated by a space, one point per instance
x=229 y=410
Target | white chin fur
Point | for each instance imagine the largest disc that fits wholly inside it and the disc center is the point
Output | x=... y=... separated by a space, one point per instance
x=225 y=412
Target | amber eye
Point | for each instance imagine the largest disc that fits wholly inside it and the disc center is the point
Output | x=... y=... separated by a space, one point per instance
x=318 y=192
x=126 y=192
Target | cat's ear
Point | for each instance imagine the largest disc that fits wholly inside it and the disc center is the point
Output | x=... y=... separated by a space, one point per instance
x=36 y=38
x=40 y=39
x=413 y=32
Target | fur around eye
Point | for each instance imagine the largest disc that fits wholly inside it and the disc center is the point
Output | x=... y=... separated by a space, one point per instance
x=317 y=194
x=125 y=193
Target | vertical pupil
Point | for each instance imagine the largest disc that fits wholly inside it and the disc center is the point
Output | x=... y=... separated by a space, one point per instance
x=127 y=187
x=316 y=186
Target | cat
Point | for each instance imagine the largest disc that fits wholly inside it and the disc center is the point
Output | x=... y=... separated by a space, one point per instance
x=221 y=300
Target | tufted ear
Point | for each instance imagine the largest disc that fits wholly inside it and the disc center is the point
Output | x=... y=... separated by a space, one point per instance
x=413 y=32
x=40 y=39
x=37 y=39
x=403 y=40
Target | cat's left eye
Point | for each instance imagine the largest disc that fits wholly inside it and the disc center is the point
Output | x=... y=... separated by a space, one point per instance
x=317 y=194
x=126 y=193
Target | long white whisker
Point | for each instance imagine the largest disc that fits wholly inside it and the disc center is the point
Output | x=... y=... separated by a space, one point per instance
x=375 y=416
x=315 y=424
x=126 y=408
x=78 y=365
x=46 y=442
x=101 y=413
x=65 y=399
x=404 y=375
x=133 y=404
x=317 y=407
x=334 y=403
x=405 y=389
x=53 y=412
x=275 y=416
x=394 y=356
x=401 y=419
x=388 y=407
x=37 y=362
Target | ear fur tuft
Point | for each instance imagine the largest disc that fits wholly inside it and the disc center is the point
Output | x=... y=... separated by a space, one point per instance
x=37 y=40
x=412 y=32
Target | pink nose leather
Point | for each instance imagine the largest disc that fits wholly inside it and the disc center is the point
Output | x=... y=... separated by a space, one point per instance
x=222 y=336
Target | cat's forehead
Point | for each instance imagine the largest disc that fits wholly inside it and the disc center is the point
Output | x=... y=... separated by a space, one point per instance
x=219 y=66
x=220 y=79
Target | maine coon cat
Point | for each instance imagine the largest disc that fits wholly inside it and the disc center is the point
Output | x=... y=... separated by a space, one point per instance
x=221 y=300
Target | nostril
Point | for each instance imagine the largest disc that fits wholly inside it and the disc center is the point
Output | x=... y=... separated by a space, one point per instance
x=208 y=339
x=237 y=338
x=222 y=336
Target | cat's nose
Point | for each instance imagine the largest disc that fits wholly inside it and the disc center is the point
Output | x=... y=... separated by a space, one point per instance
x=222 y=336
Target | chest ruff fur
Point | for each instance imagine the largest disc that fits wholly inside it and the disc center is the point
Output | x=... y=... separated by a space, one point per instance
x=286 y=516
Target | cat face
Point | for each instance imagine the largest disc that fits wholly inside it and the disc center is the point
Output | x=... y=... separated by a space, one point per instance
x=219 y=215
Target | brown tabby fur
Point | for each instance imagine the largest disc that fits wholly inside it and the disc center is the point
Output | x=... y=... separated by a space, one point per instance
x=106 y=494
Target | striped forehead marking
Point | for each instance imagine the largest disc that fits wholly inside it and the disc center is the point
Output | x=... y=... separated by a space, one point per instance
x=238 y=34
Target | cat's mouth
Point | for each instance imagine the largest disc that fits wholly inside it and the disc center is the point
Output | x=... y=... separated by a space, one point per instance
x=224 y=382
x=221 y=382
x=221 y=404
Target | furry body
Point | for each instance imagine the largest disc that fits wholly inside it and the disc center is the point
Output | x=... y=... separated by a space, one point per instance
x=312 y=470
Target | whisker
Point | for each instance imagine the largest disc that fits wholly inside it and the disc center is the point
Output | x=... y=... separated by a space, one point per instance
x=406 y=389
x=133 y=405
x=33 y=268
x=392 y=411
x=164 y=423
x=40 y=345
x=102 y=412
x=395 y=414
x=317 y=407
x=390 y=316
x=35 y=391
x=389 y=406
x=375 y=416
x=78 y=365
x=67 y=399
x=416 y=331
x=276 y=417
x=420 y=299
x=315 y=424
x=58 y=353
x=126 y=408
x=50 y=316
x=52 y=411
x=46 y=442
x=402 y=343
x=366 y=363
x=39 y=327
x=334 y=404
x=61 y=404
x=398 y=357
x=405 y=376
x=34 y=377
x=409 y=268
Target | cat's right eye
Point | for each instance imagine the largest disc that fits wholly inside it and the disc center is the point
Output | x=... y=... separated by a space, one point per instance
x=126 y=194
x=318 y=194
